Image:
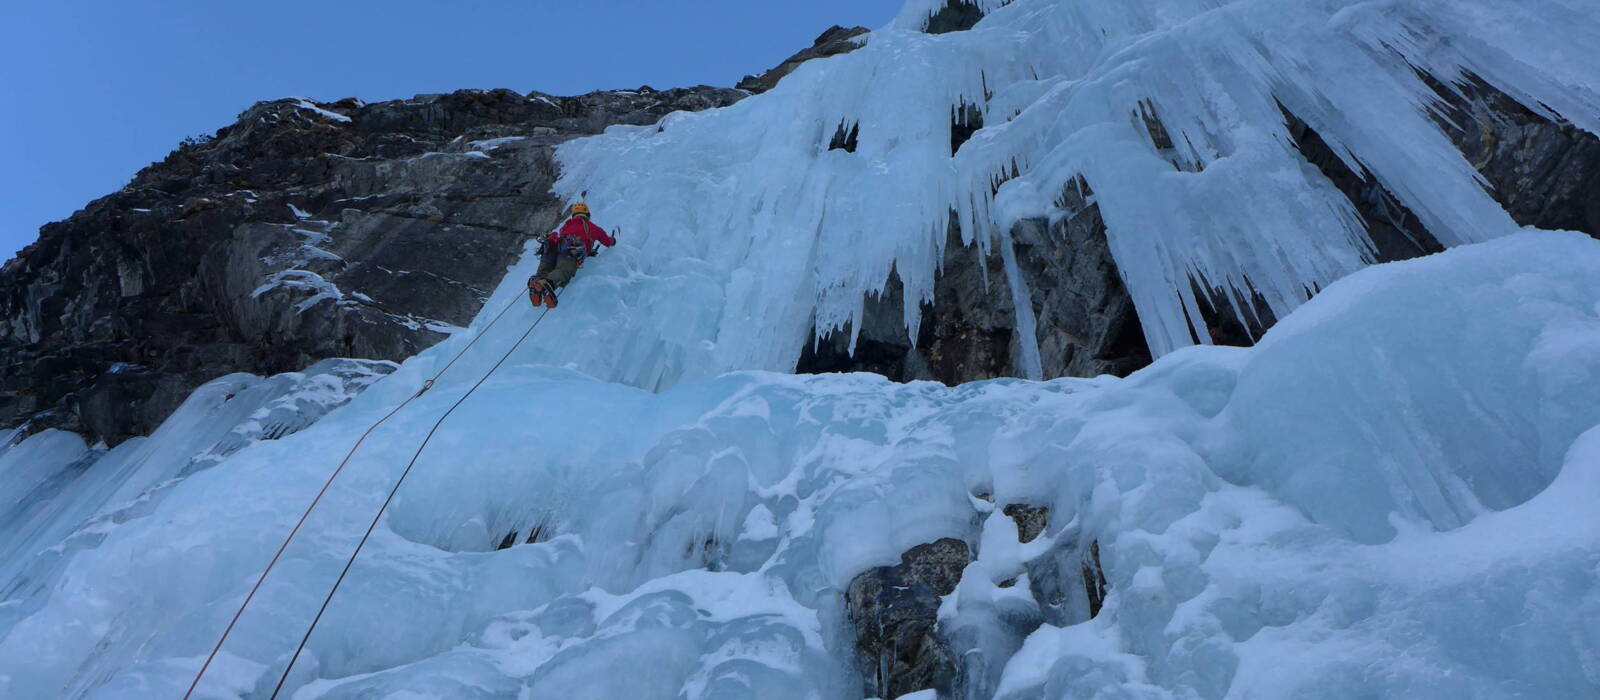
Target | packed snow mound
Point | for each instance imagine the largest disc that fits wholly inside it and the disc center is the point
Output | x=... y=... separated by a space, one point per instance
x=57 y=494
x=1391 y=496
x=744 y=227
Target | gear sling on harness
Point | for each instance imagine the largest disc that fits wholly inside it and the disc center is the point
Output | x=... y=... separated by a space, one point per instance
x=559 y=259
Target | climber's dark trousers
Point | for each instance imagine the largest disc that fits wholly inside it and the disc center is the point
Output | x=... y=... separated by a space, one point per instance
x=557 y=268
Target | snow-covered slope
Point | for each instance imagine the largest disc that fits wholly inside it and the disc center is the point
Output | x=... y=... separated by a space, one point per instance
x=1388 y=496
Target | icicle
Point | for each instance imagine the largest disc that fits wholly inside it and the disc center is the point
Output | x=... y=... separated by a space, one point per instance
x=1022 y=300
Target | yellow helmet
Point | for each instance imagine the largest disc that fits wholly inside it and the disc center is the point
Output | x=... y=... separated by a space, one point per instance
x=580 y=209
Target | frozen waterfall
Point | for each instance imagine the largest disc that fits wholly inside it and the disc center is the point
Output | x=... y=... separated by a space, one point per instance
x=1390 y=496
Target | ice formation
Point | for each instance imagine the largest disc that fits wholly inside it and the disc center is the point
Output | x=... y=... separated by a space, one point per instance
x=1391 y=495
x=749 y=211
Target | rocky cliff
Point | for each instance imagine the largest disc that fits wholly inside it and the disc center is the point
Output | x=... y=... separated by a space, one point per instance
x=303 y=231
x=314 y=230
x=835 y=41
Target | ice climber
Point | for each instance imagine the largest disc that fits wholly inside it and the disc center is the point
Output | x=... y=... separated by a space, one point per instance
x=562 y=252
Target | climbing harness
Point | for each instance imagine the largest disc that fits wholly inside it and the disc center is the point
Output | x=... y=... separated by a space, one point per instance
x=426 y=385
x=554 y=246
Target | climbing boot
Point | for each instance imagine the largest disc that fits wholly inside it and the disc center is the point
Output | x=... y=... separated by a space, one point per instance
x=535 y=291
x=549 y=292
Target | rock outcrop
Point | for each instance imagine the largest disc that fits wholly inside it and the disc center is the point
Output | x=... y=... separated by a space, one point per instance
x=895 y=611
x=837 y=40
x=954 y=16
x=1084 y=319
x=1067 y=581
x=303 y=231
x=912 y=634
x=1546 y=173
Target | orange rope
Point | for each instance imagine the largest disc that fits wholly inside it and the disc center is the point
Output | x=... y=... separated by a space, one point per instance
x=325 y=486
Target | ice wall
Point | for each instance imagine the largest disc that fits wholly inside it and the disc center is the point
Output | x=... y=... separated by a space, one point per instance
x=750 y=227
x=58 y=496
x=1388 y=496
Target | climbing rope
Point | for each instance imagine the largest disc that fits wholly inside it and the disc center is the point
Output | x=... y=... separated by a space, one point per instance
x=374 y=524
x=335 y=475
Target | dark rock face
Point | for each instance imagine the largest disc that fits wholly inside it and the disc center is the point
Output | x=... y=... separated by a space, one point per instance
x=965 y=120
x=1085 y=321
x=1068 y=583
x=846 y=140
x=895 y=611
x=539 y=532
x=955 y=16
x=1031 y=520
x=1396 y=232
x=1545 y=173
x=835 y=41
x=1094 y=579
x=303 y=231
x=1231 y=317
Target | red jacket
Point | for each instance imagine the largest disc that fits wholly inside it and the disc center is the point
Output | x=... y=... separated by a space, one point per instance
x=582 y=229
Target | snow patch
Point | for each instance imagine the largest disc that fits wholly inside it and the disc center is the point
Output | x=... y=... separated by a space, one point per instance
x=491 y=144
x=303 y=281
x=308 y=105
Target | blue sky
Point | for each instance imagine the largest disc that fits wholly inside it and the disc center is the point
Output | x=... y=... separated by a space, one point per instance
x=93 y=90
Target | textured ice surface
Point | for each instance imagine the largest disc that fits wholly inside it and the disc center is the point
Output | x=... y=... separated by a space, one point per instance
x=1391 y=496
x=58 y=496
x=758 y=227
